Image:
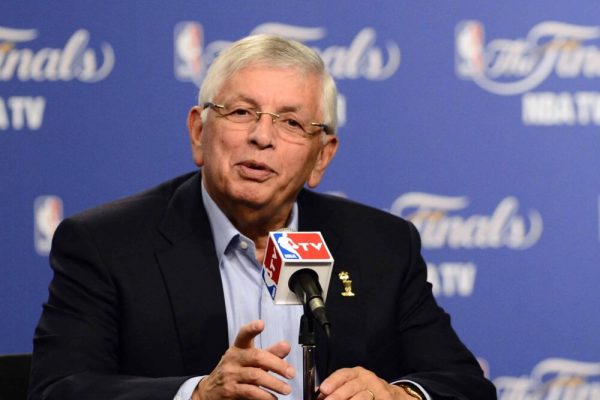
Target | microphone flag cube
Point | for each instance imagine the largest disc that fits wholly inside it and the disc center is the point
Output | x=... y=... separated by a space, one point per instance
x=288 y=252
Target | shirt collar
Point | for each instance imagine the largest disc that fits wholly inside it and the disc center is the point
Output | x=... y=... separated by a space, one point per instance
x=223 y=230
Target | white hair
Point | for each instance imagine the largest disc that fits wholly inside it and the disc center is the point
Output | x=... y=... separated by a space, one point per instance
x=272 y=51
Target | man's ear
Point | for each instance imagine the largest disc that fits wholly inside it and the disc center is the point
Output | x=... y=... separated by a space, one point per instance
x=194 y=123
x=324 y=157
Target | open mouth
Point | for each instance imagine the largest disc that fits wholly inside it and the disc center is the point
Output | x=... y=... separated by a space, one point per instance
x=256 y=165
x=255 y=170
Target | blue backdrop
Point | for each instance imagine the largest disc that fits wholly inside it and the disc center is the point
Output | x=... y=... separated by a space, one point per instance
x=480 y=122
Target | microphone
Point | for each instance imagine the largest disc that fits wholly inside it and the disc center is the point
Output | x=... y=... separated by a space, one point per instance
x=296 y=268
x=305 y=284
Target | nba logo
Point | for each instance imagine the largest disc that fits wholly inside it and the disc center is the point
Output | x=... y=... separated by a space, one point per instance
x=469 y=58
x=47 y=214
x=189 y=41
x=286 y=246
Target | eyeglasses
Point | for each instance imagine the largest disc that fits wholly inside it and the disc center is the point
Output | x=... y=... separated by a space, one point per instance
x=284 y=122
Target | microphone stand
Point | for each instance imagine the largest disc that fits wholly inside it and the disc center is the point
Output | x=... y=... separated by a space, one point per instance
x=307 y=339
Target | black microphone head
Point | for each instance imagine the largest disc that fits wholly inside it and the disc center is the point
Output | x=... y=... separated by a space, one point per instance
x=305 y=282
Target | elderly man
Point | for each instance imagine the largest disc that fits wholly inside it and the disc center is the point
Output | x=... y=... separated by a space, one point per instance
x=159 y=296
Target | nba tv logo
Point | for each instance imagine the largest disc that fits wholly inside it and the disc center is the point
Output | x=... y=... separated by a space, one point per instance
x=47 y=214
x=301 y=246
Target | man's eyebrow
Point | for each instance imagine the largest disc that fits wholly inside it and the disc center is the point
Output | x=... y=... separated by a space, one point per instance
x=241 y=97
x=285 y=109
x=254 y=103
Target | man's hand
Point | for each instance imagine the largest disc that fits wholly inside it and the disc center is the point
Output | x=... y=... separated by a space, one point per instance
x=243 y=371
x=359 y=384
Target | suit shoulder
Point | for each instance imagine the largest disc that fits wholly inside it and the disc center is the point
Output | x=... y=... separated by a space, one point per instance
x=352 y=213
x=149 y=205
x=127 y=224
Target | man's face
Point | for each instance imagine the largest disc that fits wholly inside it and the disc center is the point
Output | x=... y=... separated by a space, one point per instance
x=256 y=166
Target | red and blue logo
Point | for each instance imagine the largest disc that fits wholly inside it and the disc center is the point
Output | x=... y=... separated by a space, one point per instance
x=301 y=246
x=292 y=249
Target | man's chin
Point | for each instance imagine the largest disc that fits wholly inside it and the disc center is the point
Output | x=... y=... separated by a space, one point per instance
x=259 y=196
x=252 y=199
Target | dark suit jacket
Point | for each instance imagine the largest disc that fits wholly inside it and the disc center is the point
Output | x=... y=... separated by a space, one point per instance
x=136 y=304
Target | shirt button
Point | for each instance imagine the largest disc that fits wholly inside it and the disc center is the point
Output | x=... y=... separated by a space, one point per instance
x=243 y=245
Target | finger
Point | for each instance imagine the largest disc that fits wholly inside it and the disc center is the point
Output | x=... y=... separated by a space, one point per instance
x=260 y=378
x=266 y=361
x=337 y=379
x=348 y=383
x=367 y=394
x=350 y=389
x=253 y=392
x=280 y=349
x=230 y=379
x=247 y=333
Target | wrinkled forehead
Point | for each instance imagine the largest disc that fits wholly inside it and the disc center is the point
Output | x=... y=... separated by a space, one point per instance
x=295 y=72
x=258 y=83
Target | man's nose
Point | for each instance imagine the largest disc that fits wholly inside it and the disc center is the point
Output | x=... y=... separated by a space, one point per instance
x=263 y=133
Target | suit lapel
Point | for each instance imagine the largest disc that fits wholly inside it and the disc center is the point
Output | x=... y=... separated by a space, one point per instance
x=347 y=342
x=191 y=273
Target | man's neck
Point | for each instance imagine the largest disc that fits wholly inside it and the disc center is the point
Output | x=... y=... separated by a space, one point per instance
x=254 y=222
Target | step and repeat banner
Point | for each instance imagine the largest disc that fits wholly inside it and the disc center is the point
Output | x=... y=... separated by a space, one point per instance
x=479 y=122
